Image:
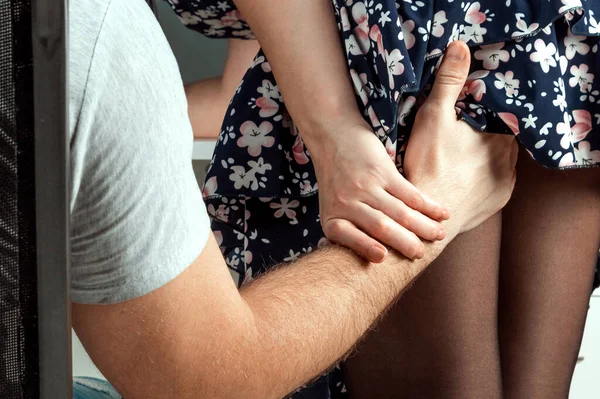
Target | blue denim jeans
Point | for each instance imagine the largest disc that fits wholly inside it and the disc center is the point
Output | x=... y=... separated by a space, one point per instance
x=93 y=388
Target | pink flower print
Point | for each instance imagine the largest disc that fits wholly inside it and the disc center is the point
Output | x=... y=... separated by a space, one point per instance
x=544 y=54
x=577 y=132
x=405 y=108
x=345 y=20
x=439 y=19
x=221 y=213
x=583 y=125
x=218 y=237
x=268 y=107
x=285 y=208
x=507 y=82
x=210 y=187
x=574 y=44
x=390 y=147
x=475 y=86
x=491 y=55
x=511 y=121
x=395 y=67
x=585 y=156
x=474 y=16
x=360 y=85
x=569 y=4
x=298 y=150
x=373 y=117
x=255 y=137
x=376 y=36
x=361 y=17
x=407 y=28
x=581 y=77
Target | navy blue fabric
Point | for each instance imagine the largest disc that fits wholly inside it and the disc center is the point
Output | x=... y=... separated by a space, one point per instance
x=532 y=74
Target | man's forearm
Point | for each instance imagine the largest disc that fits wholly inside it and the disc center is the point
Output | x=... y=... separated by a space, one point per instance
x=310 y=314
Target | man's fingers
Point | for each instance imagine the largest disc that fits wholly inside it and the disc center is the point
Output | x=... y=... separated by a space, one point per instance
x=411 y=196
x=410 y=219
x=452 y=74
x=346 y=234
x=384 y=229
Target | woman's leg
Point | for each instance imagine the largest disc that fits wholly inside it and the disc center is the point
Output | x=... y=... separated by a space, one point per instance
x=440 y=340
x=551 y=234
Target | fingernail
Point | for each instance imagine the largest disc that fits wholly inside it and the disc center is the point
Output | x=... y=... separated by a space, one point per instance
x=446 y=214
x=377 y=253
x=456 y=52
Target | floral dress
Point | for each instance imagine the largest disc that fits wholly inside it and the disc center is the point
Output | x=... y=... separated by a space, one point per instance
x=532 y=75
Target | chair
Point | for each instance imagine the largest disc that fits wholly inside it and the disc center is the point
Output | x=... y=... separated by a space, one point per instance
x=35 y=357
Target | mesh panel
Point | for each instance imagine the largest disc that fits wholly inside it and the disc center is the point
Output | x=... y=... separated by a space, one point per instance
x=18 y=300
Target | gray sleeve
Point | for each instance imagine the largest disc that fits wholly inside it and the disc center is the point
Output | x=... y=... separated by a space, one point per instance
x=138 y=219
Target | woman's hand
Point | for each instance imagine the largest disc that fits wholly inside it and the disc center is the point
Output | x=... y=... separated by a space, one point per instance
x=365 y=202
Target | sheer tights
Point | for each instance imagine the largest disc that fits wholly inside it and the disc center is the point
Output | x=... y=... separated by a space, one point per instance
x=491 y=320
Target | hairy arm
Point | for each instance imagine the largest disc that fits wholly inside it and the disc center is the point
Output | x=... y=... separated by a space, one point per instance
x=199 y=337
x=208 y=99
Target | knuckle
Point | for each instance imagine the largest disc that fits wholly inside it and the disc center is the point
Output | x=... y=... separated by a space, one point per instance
x=382 y=228
x=334 y=229
x=450 y=77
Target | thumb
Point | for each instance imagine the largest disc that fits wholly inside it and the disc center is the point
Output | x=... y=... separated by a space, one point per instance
x=452 y=74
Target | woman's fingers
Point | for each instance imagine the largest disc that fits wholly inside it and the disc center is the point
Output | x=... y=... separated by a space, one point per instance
x=407 y=217
x=381 y=227
x=345 y=233
x=411 y=196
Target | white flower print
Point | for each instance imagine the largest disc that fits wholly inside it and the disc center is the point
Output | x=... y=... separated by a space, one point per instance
x=352 y=46
x=569 y=4
x=292 y=257
x=507 y=82
x=255 y=137
x=405 y=108
x=394 y=65
x=544 y=54
x=474 y=33
x=524 y=29
x=360 y=85
x=436 y=27
x=242 y=178
x=594 y=27
x=269 y=90
x=581 y=77
x=407 y=28
x=577 y=132
x=561 y=99
x=259 y=166
x=187 y=18
x=491 y=55
x=361 y=17
x=574 y=44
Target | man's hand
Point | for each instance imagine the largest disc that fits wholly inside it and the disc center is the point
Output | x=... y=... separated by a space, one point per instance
x=198 y=336
x=472 y=173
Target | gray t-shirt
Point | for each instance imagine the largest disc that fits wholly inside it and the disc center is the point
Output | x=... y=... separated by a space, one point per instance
x=137 y=214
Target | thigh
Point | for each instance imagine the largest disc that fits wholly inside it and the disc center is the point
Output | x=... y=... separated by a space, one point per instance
x=551 y=234
x=440 y=339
